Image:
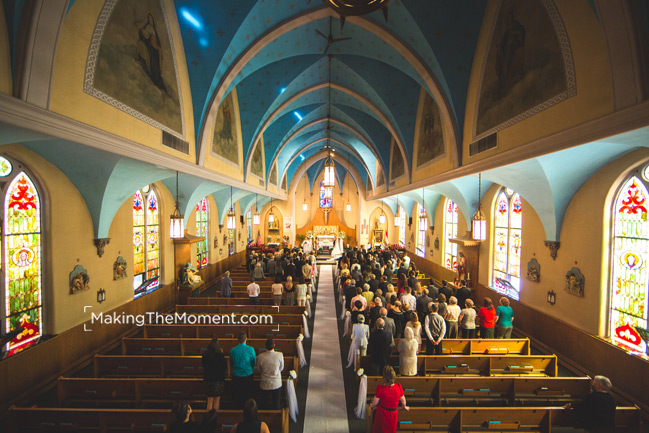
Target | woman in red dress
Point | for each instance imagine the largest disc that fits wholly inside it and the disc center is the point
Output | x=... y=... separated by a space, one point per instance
x=387 y=398
x=487 y=315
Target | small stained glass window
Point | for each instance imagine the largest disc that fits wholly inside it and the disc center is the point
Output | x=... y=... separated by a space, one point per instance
x=5 y=167
x=146 y=242
x=451 y=218
x=202 y=221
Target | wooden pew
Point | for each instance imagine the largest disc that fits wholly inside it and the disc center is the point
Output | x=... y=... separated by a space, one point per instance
x=476 y=391
x=214 y=308
x=162 y=366
x=41 y=420
x=221 y=331
x=197 y=346
x=134 y=392
x=265 y=301
x=481 y=365
x=480 y=346
x=473 y=420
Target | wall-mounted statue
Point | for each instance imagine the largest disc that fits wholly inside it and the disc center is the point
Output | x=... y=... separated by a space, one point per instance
x=119 y=268
x=79 y=280
x=216 y=241
x=575 y=282
x=534 y=270
x=188 y=276
x=437 y=243
x=462 y=270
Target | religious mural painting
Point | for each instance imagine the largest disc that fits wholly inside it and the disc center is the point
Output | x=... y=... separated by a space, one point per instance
x=272 y=179
x=575 y=282
x=397 y=168
x=119 y=268
x=380 y=177
x=79 y=280
x=528 y=67
x=431 y=137
x=225 y=142
x=256 y=162
x=136 y=36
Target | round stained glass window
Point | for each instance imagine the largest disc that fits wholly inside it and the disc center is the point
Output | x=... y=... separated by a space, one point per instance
x=5 y=167
x=645 y=173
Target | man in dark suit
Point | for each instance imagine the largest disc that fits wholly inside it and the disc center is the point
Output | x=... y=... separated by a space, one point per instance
x=375 y=311
x=422 y=305
x=388 y=324
x=378 y=348
x=383 y=285
x=374 y=282
x=412 y=279
x=462 y=294
x=446 y=290
x=349 y=293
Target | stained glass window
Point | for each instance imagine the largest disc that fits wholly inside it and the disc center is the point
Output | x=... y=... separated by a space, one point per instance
x=508 y=224
x=22 y=262
x=202 y=219
x=326 y=197
x=421 y=234
x=146 y=242
x=231 y=241
x=249 y=224
x=630 y=255
x=402 y=226
x=451 y=218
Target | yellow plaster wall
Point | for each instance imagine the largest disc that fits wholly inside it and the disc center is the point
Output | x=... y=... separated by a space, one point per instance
x=68 y=98
x=5 y=55
x=437 y=165
x=593 y=80
x=221 y=165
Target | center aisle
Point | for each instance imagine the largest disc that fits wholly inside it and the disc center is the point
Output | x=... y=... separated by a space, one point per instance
x=326 y=408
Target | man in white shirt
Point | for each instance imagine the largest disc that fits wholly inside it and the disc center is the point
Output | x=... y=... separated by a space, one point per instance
x=253 y=292
x=270 y=365
x=408 y=298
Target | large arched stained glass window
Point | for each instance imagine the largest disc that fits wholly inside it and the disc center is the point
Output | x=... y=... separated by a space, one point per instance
x=451 y=217
x=146 y=243
x=202 y=220
x=401 y=218
x=249 y=224
x=22 y=261
x=508 y=219
x=630 y=255
x=326 y=197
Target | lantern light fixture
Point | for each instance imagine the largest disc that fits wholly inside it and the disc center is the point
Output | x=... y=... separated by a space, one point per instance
x=271 y=217
x=479 y=220
x=177 y=221
x=231 y=219
x=423 y=218
x=255 y=216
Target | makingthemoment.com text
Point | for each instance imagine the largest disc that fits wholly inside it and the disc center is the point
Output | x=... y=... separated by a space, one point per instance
x=155 y=318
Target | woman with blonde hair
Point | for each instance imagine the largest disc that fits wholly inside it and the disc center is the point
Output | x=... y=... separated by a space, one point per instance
x=290 y=291
x=467 y=320
x=415 y=325
x=387 y=399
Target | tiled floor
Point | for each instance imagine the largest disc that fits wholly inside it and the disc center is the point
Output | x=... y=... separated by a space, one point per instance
x=326 y=409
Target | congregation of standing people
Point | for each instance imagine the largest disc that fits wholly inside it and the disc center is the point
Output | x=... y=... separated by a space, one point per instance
x=417 y=311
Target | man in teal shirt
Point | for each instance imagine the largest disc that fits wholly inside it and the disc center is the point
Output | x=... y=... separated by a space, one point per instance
x=242 y=361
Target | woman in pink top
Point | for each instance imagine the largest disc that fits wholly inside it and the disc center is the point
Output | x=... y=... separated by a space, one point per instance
x=487 y=315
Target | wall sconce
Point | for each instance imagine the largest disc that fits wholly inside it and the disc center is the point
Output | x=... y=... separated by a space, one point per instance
x=101 y=295
x=552 y=297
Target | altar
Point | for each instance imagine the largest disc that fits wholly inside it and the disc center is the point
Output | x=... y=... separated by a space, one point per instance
x=325 y=243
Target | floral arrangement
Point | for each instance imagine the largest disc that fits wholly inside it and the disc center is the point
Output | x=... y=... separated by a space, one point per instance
x=342 y=235
x=396 y=247
x=309 y=234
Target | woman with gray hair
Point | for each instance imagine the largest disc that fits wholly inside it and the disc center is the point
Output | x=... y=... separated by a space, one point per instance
x=596 y=412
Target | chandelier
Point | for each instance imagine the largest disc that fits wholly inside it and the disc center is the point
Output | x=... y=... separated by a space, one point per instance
x=231 y=220
x=479 y=220
x=177 y=225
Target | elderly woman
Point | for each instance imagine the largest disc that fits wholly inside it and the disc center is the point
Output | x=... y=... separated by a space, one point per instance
x=387 y=399
x=467 y=320
x=258 y=272
x=360 y=338
x=453 y=312
x=504 y=319
x=408 y=354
